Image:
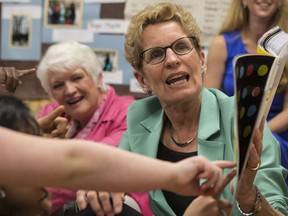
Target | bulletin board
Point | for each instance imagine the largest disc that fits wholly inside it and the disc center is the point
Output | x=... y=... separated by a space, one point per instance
x=98 y=16
x=209 y=14
x=31 y=87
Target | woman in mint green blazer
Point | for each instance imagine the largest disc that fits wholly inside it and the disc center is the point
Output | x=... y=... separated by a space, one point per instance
x=183 y=119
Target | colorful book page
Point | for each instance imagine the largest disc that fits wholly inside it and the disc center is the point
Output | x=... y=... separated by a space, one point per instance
x=251 y=74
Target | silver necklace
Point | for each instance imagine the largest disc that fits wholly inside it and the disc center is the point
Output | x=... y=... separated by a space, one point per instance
x=182 y=144
x=2 y=194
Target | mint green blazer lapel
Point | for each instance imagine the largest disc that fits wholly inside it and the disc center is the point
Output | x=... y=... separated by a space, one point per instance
x=154 y=125
x=209 y=125
x=147 y=141
x=216 y=123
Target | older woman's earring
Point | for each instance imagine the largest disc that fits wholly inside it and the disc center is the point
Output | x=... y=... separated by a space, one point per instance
x=100 y=88
x=149 y=92
x=2 y=194
x=203 y=74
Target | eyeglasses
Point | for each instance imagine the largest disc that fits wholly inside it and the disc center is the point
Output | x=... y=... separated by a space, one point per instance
x=156 y=55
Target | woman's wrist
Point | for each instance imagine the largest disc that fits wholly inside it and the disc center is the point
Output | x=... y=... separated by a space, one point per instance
x=247 y=209
x=247 y=198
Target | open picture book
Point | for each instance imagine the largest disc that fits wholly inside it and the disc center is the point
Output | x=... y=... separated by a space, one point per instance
x=256 y=78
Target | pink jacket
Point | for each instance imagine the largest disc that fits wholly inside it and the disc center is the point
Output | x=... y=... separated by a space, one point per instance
x=108 y=130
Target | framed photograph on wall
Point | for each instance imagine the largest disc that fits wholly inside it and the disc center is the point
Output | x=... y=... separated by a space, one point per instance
x=63 y=13
x=20 y=31
x=108 y=59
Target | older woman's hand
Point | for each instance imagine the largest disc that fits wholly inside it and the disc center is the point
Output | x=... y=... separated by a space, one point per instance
x=10 y=77
x=100 y=202
x=53 y=125
x=246 y=196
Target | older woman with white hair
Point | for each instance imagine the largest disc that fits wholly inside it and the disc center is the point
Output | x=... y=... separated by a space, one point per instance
x=71 y=74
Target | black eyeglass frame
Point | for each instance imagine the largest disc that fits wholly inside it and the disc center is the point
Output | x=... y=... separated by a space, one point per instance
x=194 y=42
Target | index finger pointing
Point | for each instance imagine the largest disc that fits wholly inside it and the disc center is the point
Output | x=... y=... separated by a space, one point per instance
x=49 y=118
x=56 y=113
x=224 y=164
x=26 y=72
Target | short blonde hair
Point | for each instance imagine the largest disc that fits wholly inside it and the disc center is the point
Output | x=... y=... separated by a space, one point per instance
x=158 y=13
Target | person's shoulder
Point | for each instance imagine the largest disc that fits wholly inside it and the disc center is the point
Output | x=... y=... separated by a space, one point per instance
x=232 y=37
x=216 y=92
x=217 y=41
x=121 y=99
x=231 y=33
x=225 y=103
x=124 y=100
x=127 y=98
x=147 y=102
x=145 y=106
x=52 y=105
x=219 y=95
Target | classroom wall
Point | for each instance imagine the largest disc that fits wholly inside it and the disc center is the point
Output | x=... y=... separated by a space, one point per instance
x=42 y=36
x=31 y=88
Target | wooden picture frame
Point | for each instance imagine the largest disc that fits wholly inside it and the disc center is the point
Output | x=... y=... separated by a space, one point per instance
x=63 y=13
x=20 y=31
x=108 y=59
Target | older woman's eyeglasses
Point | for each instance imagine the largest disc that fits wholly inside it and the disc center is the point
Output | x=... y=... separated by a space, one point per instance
x=156 y=55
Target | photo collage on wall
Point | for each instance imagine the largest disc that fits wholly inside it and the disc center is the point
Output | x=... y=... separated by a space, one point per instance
x=63 y=13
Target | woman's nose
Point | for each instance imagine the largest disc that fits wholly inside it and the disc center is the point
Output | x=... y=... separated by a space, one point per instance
x=69 y=88
x=171 y=57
